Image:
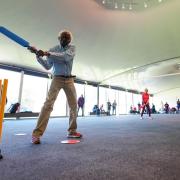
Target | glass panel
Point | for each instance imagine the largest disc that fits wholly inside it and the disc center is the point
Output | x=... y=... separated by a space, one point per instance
x=103 y=97
x=122 y=103
x=34 y=93
x=137 y=99
x=79 y=89
x=129 y=101
x=13 y=86
x=90 y=98
x=106 y=94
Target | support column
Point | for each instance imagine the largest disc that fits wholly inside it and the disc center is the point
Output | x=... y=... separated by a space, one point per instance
x=126 y=101
x=84 y=99
x=20 y=89
x=98 y=95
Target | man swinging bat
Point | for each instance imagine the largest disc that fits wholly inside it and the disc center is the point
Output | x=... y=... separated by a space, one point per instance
x=60 y=58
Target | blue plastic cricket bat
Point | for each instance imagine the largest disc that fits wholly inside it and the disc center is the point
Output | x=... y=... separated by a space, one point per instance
x=14 y=37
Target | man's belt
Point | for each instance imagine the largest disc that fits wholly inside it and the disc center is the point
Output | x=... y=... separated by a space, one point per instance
x=71 y=76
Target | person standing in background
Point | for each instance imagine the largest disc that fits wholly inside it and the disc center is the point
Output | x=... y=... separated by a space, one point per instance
x=114 y=107
x=178 y=105
x=109 y=108
x=81 y=104
x=166 y=107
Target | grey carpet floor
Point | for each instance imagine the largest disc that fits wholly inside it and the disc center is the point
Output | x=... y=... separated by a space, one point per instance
x=113 y=148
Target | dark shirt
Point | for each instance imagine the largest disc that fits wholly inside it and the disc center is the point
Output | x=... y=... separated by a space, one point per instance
x=81 y=102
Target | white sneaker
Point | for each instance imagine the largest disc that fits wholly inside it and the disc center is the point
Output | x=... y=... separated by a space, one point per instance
x=141 y=117
x=150 y=117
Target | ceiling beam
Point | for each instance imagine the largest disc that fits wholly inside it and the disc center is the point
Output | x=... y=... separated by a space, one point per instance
x=138 y=67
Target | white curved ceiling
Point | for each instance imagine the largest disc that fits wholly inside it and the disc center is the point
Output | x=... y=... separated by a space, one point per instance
x=130 y=49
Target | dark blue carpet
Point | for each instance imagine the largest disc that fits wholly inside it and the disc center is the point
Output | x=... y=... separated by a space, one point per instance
x=113 y=148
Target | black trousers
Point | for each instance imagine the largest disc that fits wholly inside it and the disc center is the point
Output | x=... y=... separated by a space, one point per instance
x=148 y=109
x=82 y=108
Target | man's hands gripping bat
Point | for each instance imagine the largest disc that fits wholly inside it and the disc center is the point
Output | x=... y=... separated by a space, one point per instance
x=39 y=53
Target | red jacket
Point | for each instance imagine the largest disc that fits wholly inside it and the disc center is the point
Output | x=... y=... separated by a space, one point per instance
x=145 y=97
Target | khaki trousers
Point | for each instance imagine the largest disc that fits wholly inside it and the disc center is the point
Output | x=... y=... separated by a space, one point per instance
x=58 y=83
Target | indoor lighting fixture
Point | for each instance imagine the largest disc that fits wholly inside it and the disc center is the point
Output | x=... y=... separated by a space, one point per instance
x=130 y=7
x=123 y=6
x=145 y=5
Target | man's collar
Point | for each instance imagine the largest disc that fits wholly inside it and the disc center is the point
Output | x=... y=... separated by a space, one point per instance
x=66 y=47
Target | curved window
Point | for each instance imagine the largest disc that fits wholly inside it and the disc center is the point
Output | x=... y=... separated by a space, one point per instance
x=13 y=86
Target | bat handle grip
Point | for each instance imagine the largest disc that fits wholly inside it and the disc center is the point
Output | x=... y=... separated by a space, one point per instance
x=32 y=49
